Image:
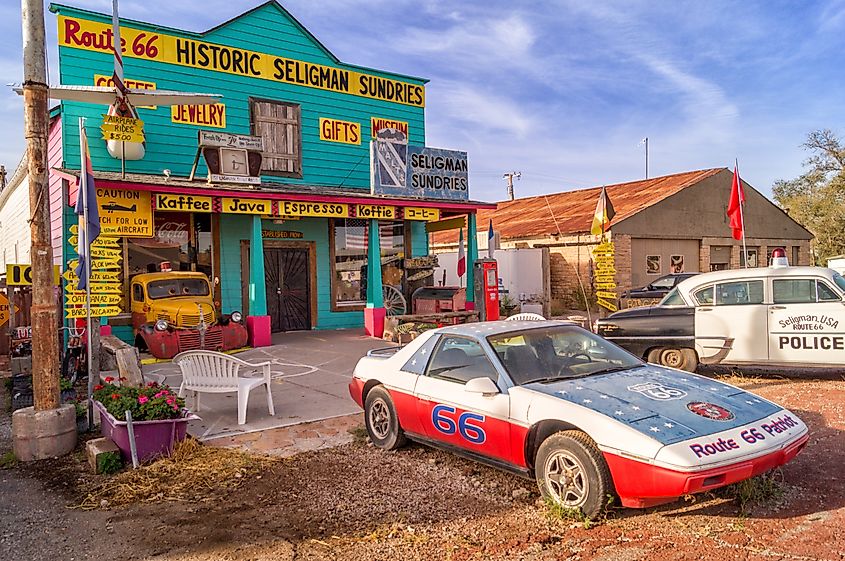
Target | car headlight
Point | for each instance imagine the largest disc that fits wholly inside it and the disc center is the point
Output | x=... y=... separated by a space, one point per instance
x=161 y=325
x=237 y=317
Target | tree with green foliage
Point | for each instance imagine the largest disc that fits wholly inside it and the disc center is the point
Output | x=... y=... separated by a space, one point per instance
x=816 y=199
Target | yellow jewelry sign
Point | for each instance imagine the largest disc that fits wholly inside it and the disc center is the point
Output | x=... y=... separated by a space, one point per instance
x=124 y=213
x=90 y=35
x=296 y=208
x=211 y=115
x=183 y=203
x=247 y=206
x=421 y=213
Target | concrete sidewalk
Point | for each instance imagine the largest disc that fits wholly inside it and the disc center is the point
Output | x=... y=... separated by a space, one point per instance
x=310 y=369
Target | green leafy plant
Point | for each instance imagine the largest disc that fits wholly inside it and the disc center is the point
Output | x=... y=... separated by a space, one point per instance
x=65 y=385
x=109 y=463
x=765 y=488
x=8 y=460
x=152 y=402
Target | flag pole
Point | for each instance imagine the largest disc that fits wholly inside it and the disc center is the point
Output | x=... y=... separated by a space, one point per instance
x=83 y=192
x=741 y=195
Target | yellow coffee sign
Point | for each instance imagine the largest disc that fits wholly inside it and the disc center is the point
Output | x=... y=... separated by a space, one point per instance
x=334 y=130
x=183 y=203
x=381 y=212
x=76 y=33
x=247 y=206
x=605 y=277
x=124 y=213
x=124 y=129
x=295 y=208
x=212 y=115
x=421 y=213
x=102 y=80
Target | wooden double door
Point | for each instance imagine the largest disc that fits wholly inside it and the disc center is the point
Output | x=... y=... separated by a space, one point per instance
x=287 y=275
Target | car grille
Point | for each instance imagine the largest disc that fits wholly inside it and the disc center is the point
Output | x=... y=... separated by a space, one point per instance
x=165 y=317
x=193 y=320
x=189 y=340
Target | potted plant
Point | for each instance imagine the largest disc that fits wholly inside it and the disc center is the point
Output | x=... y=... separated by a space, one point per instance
x=507 y=306
x=159 y=417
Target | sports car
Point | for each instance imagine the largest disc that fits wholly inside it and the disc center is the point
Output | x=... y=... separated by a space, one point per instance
x=585 y=418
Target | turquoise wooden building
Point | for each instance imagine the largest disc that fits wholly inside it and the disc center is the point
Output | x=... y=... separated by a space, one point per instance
x=301 y=242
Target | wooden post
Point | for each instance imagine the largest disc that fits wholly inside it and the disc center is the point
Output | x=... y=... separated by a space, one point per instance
x=45 y=342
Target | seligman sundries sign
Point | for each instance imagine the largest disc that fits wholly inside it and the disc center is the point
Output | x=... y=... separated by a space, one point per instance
x=429 y=173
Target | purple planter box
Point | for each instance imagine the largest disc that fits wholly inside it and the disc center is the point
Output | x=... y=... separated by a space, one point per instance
x=152 y=438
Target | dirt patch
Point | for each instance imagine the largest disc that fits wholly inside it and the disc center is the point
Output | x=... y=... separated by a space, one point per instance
x=356 y=502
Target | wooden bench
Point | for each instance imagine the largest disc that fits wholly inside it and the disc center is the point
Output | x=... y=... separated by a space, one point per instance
x=213 y=372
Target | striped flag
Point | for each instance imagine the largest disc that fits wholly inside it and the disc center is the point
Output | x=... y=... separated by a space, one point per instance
x=462 y=258
x=490 y=237
x=603 y=215
x=86 y=197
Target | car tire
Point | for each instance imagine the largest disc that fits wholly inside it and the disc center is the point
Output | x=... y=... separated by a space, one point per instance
x=674 y=357
x=381 y=420
x=571 y=472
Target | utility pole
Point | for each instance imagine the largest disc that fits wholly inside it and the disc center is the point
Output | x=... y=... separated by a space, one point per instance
x=645 y=141
x=44 y=430
x=509 y=177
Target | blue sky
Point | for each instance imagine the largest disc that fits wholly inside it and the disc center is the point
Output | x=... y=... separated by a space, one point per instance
x=563 y=91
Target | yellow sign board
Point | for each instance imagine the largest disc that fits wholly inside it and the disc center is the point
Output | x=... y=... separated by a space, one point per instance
x=335 y=130
x=125 y=129
x=211 y=115
x=96 y=311
x=183 y=203
x=96 y=265
x=21 y=275
x=100 y=241
x=4 y=309
x=247 y=206
x=297 y=208
x=421 y=213
x=77 y=33
x=379 y=212
x=98 y=299
x=96 y=276
x=604 y=279
x=103 y=80
x=98 y=288
x=123 y=213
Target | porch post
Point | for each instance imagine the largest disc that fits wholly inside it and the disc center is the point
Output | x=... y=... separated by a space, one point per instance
x=258 y=322
x=472 y=255
x=374 y=312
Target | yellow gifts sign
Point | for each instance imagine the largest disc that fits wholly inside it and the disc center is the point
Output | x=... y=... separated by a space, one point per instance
x=124 y=213
x=77 y=33
x=247 y=206
x=335 y=130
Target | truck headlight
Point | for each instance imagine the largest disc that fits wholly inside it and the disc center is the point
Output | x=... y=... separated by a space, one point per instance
x=237 y=317
x=161 y=325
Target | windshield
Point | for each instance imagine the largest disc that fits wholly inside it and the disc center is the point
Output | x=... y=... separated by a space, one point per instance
x=673 y=298
x=177 y=287
x=839 y=280
x=555 y=353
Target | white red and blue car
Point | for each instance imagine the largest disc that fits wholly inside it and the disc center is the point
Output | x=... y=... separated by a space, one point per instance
x=585 y=418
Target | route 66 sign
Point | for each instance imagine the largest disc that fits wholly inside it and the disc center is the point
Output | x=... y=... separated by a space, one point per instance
x=659 y=392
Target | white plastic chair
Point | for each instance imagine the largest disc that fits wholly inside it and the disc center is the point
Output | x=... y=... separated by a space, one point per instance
x=526 y=316
x=213 y=372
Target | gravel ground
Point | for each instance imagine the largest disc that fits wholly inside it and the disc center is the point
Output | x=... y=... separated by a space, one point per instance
x=355 y=502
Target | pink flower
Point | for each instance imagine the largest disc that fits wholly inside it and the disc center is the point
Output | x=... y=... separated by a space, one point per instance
x=143 y=399
x=176 y=408
x=158 y=395
x=170 y=401
x=109 y=379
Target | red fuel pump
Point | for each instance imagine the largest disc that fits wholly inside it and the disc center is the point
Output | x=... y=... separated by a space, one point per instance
x=486 y=277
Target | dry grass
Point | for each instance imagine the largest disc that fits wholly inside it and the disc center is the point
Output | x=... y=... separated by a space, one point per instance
x=192 y=473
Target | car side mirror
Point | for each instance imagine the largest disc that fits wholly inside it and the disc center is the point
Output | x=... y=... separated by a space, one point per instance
x=482 y=385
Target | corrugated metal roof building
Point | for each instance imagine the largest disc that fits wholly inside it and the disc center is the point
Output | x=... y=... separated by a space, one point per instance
x=674 y=223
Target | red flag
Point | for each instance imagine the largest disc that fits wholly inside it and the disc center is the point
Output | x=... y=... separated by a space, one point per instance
x=462 y=259
x=734 y=205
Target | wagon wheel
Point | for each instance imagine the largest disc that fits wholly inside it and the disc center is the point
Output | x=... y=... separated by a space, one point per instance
x=394 y=303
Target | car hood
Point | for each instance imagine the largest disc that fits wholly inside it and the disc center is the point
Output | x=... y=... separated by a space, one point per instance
x=667 y=405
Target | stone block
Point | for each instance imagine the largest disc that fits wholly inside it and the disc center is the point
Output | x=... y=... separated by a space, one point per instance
x=21 y=365
x=102 y=453
x=38 y=435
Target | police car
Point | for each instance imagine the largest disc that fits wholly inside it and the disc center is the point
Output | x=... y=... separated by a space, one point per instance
x=778 y=315
x=588 y=420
